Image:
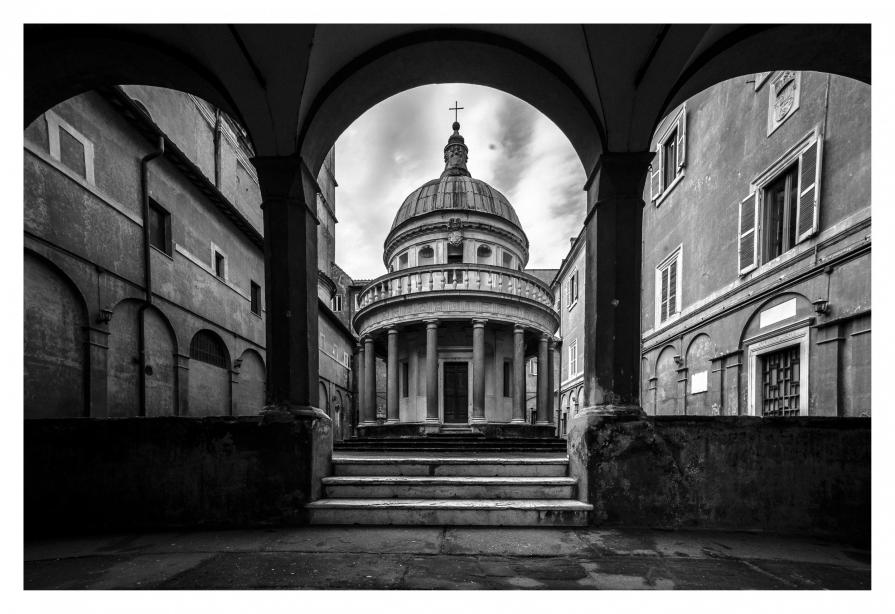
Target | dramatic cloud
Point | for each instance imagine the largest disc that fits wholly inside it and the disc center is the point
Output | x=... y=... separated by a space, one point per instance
x=397 y=146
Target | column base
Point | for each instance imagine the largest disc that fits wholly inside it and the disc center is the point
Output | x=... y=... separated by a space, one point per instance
x=392 y=421
x=518 y=421
x=433 y=421
x=543 y=422
x=368 y=423
x=478 y=420
x=320 y=425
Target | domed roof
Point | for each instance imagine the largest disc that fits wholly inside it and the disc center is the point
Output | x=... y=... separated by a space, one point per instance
x=455 y=190
x=452 y=193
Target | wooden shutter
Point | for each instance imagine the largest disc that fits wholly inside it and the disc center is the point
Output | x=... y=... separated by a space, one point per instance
x=672 y=287
x=809 y=191
x=655 y=181
x=664 y=296
x=682 y=139
x=748 y=235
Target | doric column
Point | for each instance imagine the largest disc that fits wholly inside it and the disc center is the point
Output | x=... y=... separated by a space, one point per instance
x=551 y=367
x=478 y=370
x=369 y=415
x=518 y=374
x=431 y=370
x=612 y=282
x=290 y=273
x=361 y=398
x=392 y=389
x=543 y=369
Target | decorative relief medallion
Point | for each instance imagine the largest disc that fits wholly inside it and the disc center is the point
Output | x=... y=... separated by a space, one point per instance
x=455 y=236
x=783 y=97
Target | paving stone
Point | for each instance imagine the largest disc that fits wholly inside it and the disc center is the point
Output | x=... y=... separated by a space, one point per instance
x=514 y=542
x=109 y=572
x=285 y=570
x=414 y=540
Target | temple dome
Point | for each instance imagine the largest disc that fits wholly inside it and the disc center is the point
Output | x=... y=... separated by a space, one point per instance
x=455 y=190
x=453 y=193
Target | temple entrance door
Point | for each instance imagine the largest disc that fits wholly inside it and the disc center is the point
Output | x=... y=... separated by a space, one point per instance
x=456 y=392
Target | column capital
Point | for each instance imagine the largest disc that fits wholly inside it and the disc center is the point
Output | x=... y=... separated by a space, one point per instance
x=518 y=330
x=393 y=331
x=431 y=323
x=546 y=337
x=479 y=322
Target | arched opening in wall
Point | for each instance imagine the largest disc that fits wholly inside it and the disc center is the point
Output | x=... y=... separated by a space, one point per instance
x=160 y=368
x=249 y=392
x=483 y=254
x=55 y=351
x=426 y=256
x=209 y=387
x=699 y=370
x=668 y=402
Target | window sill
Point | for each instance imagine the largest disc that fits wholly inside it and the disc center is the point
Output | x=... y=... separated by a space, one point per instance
x=671 y=186
x=162 y=252
x=572 y=305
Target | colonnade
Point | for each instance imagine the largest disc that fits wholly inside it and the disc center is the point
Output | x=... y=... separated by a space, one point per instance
x=367 y=376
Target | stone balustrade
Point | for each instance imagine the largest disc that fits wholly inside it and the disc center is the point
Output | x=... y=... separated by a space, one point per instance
x=456 y=278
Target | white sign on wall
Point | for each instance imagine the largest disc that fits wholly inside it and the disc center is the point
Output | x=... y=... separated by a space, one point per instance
x=699 y=382
x=778 y=313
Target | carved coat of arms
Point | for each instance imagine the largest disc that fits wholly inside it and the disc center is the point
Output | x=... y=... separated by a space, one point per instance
x=455 y=234
x=784 y=94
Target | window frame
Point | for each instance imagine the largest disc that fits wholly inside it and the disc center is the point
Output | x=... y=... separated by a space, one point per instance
x=756 y=350
x=676 y=256
x=168 y=247
x=255 y=297
x=215 y=252
x=337 y=303
x=54 y=125
x=572 y=292
x=573 y=358
x=677 y=128
x=797 y=154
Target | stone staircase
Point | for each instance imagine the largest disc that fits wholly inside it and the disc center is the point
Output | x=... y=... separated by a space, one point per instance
x=450 y=479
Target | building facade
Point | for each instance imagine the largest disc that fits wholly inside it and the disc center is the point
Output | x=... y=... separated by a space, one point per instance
x=568 y=287
x=144 y=265
x=756 y=251
x=456 y=317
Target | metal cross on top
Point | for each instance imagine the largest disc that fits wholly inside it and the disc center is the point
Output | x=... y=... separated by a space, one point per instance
x=455 y=108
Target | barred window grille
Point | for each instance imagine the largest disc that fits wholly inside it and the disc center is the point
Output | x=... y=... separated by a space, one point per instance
x=780 y=382
x=208 y=347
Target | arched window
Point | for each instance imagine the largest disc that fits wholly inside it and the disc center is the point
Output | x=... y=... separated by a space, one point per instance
x=208 y=347
x=483 y=253
x=426 y=255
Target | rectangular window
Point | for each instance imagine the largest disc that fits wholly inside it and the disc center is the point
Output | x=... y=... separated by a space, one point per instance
x=533 y=367
x=159 y=227
x=405 y=379
x=572 y=289
x=220 y=264
x=256 y=298
x=336 y=302
x=573 y=358
x=71 y=153
x=780 y=382
x=669 y=160
x=507 y=378
x=403 y=261
x=507 y=260
x=780 y=205
x=668 y=287
x=783 y=209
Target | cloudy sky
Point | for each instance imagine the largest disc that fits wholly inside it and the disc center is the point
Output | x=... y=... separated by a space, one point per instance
x=398 y=145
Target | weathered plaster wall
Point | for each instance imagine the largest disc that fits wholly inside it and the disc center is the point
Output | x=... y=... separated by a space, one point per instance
x=143 y=473
x=798 y=475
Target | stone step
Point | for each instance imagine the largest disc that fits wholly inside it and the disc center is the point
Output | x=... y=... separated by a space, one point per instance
x=466 y=450
x=487 y=512
x=449 y=487
x=443 y=464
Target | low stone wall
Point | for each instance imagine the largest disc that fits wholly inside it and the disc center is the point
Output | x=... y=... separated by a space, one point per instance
x=788 y=475
x=94 y=475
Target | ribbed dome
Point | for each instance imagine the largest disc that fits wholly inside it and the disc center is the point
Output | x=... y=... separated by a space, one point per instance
x=452 y=193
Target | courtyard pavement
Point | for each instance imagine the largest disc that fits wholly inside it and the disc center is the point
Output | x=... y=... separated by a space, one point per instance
x=353 y=557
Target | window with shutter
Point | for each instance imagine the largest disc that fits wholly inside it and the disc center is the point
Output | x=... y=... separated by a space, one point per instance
x=784 y=210
x=809 y=189
x=748 y=243
x=668 y=287
x=671 y=157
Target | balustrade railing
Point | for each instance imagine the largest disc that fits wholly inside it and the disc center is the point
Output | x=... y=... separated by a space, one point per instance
x=456 y=277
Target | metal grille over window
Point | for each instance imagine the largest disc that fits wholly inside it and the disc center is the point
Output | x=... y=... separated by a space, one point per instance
x=208 y=347
x=780 y=383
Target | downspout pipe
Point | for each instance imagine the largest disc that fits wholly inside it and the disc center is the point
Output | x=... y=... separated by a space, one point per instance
x=147 y=269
